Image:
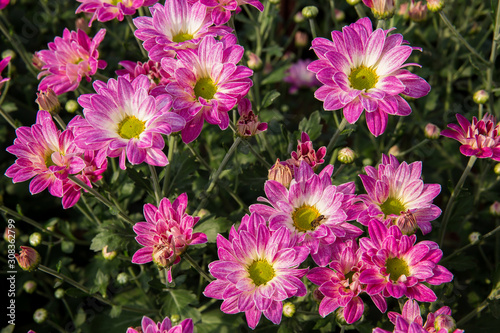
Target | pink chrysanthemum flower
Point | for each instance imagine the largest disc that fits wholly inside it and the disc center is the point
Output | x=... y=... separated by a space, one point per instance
x=361 y=69
x=69 y=59
x=340 y=285
x=396 y=266
x=177 y=25
x=3 y=64
x=207 y=83
x=4 y=3
x=305 y=152
x=221 y=9
x=397 y=195
x=149 y=326
x=127 y=122
x=106 y=10
x=299 y=77
x=480 y=139
x=257 y=270
x=410 y=320
x=248 y=124
x=166 y=234
x=45 y=154
x=157 y=76
x=312 y=209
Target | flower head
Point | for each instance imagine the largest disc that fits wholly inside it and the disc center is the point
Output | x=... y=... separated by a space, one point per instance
x=305 y=152
x=5 y=61
x=418 y=11
x=299 y=77
x=28 y=259
x=125 y=121
x=397 y=195
x=248 y=124
x=157 y=76
x=381 y=9
x=166 y=234
x=480 y=139
x=149 y=326
x=281 y=172
x=48 y=101
x=257 y=270
x=361 y=69
x=4 y=3
x=106 y=10
x=69 y=59
x=221 y=9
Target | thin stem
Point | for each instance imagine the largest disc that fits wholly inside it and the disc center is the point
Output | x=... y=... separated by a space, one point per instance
x=156 y=183
x=493 y=56
x=423 y=142
x=84 y=212
x=337 y=171
x=474 y=312
x=268 y=147
x=380 y=24
x=132 y=28
x=172 y=146
x=360 y=10
x=342 y=328
x=335 y=137
x=454 y=194
x=66 y=305
x=199 y=158
x=480 y=111
x=195 y=265
x=313 y=28
x=8 y=118
x=56 y=326
x=7 y=84
x=101 y=77
x=59 y=121
x=85 y=202
x=256 y=154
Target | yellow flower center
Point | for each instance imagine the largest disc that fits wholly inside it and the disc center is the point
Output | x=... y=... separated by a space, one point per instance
x=396 y=267
x=48 y=159
x=131 y=127
x=363 y=78
x=306 y=218
x=205 y=88
x=392 y=206
x=182 y=37
x=261 y=272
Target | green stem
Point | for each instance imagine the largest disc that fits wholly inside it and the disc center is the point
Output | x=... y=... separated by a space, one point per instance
x=360 y=10
x=56 y=326
x=268 y=147
x=380 y=24
x=335 y=136
x=199 y=158
x=8 y=118
x=474 y=312
x=101 y=77
x=256 y=154
x=423 y=142
x=195 y=265
x=156 y=183
x=59 y=120
x=90 y=210
x=493 y=56
x=313 y=28
x=172 y=146
x=337 y=171
x=132 y=28
x=454 y=194
x=84 y=212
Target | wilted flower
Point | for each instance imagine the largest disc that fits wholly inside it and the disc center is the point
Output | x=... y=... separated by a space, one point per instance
x=381 y=9
x=418 y=11
x=248 y=124
x=28 y=259
x=106 y=10
x=432 y=131
x=299 y=77
x=149 y=326
x=48 y=101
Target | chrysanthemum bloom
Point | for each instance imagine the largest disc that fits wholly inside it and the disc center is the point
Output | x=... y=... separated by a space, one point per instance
x=157 y=76
x=69 y=59
x=3 y=64
x=281 y=172
x=248 y=124
x=305 y=152
x=312 y=209
x=397 y=195
x=480 y=139
x=44 y=154
x=207 y=83
x=4 y=3
x=106 y=10
x=362 y=70
x=299 y=77
x=166 y=234
x=221 y=9
x=381 y=9
x=149 y=326
x=177 y=25
x=127 y=122
x=257 y=270
x=28 y=259
x=340 y=286
x=396 y=266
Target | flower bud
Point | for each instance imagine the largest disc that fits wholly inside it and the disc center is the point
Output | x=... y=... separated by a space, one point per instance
x=298 y=18
x=71 y=106
x=108 y=255
x=248 y=124
x=310 y=12
x=403 y=10
x=496 y=169
x=35 y=239
x=122 y=278
x=339 y=316
x=317 y=295
x=394 y=150
x=82 y=24
x=418 y=11
x=495 y=209
x=301 y=39
x=175 y=318
x=59 y=293
x=40 y=315
x=435 y=5
x=445 y=322
x=432 y=131
x=29 y=286
x=280 y=173
x=288 y=309
x=339 y=14
x=353 y=2
x=48 y=101
x=381 y=9
x=480 y=97
x=10 y=234
x=28 y=259
x=8 y=53
x=474 y=237
x=407 y=223
x=37 y=62
x=346 y=155
x=254 y=62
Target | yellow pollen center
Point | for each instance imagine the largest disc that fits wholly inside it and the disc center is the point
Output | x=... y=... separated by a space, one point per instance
x=396 y=267
x=205 y=88
x=48 y=159
x=182 y=37
x=392 y=206
x=261 y=272
x=363 y=78
x=130 y=127
x=303 y=218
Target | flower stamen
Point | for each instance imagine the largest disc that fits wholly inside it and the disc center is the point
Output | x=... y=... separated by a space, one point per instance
x=261 y=272
x=363 y=78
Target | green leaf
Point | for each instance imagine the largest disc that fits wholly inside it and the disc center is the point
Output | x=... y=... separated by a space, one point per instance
x=268 y=99
x=116 y=310
x=177 y=301
x=311 y=126
x=213 y=226
x=275 y=76
x=101 y=282
x=80 y=318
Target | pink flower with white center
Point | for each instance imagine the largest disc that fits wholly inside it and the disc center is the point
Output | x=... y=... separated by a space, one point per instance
x=45 y=154
x=257 y=270
x=248 y=124
x=396 y=266
x=340 y=285
x=207 y=83
x=305 y=152
x=299 y=77
x=149 y=326
x=127 y=122
x=177 y=25
x=480 y=139
x=361 y=69
x=106 y=10
x=397 y=195
x=221 y=9
x=157 y=76
x=312 y=209
x=166 y=234
x=69 y=59
x=5 y=61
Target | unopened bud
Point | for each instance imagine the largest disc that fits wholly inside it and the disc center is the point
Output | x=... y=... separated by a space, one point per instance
x=59 y=293
x=339 y=14
x=280 y=173
x=495 y=209
x=346 y=155
x=8 y=53
x=394 y=150
x=353 y=2
x=480 y=97
x=301 y=39
x=407 y=223
x=40 y=315
x=71 y=106
x=35 y=239
x=317 y=295
x=82 y=24
x=445 y=322
x=48 y=101
x=108 y=255
x=175 y=318
x=37 y=62
x=28 y=259
x=288 y=309
x=298 y=18
x=381 y=9
x=496 y=169
x=310 y=12
x=248 y=124
x=403 y=10
x=432 y=131
x=474 y=237
x=10 y=234
x=418 y=11
x=435 y=5
x=122 y=278
x=254 y=62
x=29 y=286
x=339 y=316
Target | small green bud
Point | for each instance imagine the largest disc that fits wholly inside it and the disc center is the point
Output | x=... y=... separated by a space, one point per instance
x=8 y=53
x=298 y=18
x=175 y=318
x=496 y=169
x=310 y=12
x=71 y=106
x=40 y=315
x=353 y=2
x=254 y=62
x=346 y=155
x=432 y=131
x=29 y=286
x=495 y=209
x=108 y=255
x=480 y=97
x=288 y=309
x=35 y=239
x=67 y=246
x=122 y=278
x=59 y=293
x=275 y=2
x=474 y=237
x=435 y=5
